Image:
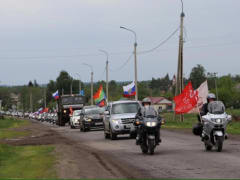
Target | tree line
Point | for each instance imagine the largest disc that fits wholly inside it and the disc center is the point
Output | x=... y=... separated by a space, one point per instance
x=226 y=87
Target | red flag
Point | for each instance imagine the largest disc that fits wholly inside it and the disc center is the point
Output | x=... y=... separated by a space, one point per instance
x=71 y=110
x=187 y=100
x=102 y=103
x=45 y=110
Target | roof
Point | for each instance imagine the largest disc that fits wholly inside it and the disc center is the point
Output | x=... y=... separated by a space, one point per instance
x=159 y=100
x=124 y=101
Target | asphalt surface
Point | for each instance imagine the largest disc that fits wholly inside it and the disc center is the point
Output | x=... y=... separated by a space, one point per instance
x=180 y=155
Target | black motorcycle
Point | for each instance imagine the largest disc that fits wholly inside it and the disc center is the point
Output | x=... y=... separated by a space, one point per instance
x=148 y=128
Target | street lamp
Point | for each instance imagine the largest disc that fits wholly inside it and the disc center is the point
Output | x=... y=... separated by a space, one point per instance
x=88 y=65
x=106 y=53
x=80 y=87
x=135 y=59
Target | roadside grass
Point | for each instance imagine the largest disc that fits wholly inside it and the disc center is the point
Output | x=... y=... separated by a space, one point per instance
x=26 y=162
x=191 y=119
x=7 y=125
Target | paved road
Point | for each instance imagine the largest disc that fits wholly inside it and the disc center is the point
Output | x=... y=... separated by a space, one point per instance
x=180 y=155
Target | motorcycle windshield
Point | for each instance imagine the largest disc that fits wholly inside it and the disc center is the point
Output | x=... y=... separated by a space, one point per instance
x=216 y=107
x=149 y=112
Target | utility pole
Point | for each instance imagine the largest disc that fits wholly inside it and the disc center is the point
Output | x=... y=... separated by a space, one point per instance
x=45 y=99
x=80 y=86
x=135 y=60
x=135 y=67
x=91 y=81
x=179 y=84
x=71 y=87
x=31 y=103
x=92 y=88
x=106 y=53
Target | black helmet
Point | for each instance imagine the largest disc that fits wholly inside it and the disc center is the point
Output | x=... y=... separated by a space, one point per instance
x=146 y=100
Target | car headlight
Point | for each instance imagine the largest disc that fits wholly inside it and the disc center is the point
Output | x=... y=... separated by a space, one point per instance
x=116 y=121
x=151 y=124
x=88 y=120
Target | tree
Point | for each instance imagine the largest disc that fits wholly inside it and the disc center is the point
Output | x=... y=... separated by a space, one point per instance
x=30 y=84
x=35 y=83
x=197 y=76
x=63 y=82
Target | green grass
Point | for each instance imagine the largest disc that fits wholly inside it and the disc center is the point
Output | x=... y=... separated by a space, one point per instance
x=27 y=162
x=191 y=119
x=172 y=123
x=24 y=161
x=7 y=125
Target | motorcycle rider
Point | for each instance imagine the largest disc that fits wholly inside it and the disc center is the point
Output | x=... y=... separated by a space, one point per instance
x=146 y=105
x=198 y=128
x=211 y=97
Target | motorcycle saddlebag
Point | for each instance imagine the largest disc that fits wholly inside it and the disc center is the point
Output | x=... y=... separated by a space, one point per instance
x=197 y=129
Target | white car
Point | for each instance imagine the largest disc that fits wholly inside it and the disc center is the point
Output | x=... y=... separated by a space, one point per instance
x=74 y=119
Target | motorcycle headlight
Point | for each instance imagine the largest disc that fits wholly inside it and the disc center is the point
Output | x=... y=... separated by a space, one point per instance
x=151 y=124
x=219 y=121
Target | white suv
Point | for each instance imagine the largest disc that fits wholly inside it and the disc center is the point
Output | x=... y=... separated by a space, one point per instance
x=119 y=117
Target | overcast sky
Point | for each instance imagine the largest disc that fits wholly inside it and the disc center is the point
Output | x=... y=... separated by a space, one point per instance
x=39 y=38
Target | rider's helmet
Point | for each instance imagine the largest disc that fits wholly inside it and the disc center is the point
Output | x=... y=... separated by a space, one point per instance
x=146 y=101
x=211 y=96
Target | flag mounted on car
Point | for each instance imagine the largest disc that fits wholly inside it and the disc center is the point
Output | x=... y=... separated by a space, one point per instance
x=129 y=90
x=99 y=97
x=56 y=95
x=187 y=100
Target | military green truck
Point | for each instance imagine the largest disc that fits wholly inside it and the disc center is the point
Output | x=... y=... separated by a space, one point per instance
x=66 y=103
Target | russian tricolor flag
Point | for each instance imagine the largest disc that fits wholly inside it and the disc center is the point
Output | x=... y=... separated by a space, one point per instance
x=56 y=95
x=129 y=90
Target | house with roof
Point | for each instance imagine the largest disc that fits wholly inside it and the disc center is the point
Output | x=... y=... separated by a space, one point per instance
x=161 y=103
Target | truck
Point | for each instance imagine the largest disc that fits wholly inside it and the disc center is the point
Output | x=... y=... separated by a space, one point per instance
x=66 y=104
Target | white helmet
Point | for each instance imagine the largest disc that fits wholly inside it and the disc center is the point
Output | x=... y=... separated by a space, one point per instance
x=211 y=96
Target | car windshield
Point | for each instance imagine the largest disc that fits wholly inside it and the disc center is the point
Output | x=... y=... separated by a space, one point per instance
x=125 y=108
x=216 y=107
x=94 y=111
x=76 y=113
x=72 y=100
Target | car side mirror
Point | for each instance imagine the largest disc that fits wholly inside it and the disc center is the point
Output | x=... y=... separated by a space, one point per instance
x=107 y=113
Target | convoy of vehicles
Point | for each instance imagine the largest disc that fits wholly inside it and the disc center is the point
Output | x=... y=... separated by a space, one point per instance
x=121 y=117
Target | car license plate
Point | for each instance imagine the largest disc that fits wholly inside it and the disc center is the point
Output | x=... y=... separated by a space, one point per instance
x=98 y=123
x=128 y=126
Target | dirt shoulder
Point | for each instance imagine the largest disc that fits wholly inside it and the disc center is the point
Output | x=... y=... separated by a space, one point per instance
x=74 y=160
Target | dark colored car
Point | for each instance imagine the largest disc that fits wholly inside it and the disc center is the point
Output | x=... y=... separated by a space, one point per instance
x=91 y=118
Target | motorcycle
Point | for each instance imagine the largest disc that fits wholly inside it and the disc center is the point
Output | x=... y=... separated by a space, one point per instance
x=148 y=128
x=214 y=126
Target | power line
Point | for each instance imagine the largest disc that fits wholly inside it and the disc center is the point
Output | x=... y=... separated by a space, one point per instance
x=123 y=65
x=162 y=43
x=66 y=56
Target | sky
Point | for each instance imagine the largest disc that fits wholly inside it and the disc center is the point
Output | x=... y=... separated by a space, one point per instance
x=39 y=38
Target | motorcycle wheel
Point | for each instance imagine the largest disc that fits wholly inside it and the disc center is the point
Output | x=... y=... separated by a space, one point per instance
x=151 y=146
x=208 y=147
x=219 y=143
x=144 y=148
